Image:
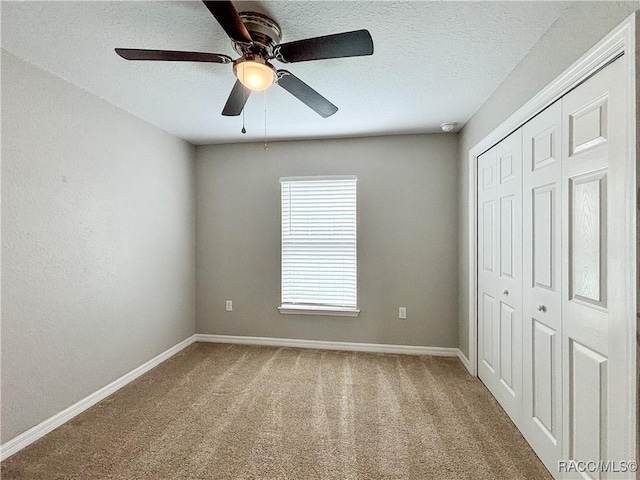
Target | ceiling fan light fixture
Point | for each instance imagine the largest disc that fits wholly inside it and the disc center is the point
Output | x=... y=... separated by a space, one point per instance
x=256 y=38
x=255 y=73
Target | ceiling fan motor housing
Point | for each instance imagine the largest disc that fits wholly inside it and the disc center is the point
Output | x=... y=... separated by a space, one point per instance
x=264 y=31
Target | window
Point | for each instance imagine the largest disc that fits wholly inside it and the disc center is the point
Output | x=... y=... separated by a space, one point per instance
x=319 y=264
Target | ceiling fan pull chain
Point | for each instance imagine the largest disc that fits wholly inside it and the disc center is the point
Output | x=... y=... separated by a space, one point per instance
x=244 y=91
x=266 y=145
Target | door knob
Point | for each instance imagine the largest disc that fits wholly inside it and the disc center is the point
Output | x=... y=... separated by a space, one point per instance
x=505 y=292
x=542 y=308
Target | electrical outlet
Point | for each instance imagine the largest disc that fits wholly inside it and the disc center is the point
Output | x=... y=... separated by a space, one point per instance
x=402 y=312
x=228 y=305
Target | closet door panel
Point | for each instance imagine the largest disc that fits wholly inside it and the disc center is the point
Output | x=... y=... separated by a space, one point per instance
x=500 y=273
x=596 y=367
x=508 y=351
x=545 y=198
x=507 y=213
x=509 y=282
x=487 y=246
x=544 y=349
x=542 y=396
x=487 y=320
x=587 y=238
x=587 y=395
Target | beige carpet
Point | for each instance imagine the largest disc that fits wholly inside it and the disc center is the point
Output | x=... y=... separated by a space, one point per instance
x=223 y=411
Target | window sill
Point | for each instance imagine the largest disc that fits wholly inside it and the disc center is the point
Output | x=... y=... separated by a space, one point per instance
x=313 y=310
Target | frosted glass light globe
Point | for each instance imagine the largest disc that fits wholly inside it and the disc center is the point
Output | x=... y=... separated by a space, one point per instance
x=254 y=75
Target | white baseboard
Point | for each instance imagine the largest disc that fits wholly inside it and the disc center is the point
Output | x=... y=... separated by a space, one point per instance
x=24 y=439
x=324 y=345
x=465 y=361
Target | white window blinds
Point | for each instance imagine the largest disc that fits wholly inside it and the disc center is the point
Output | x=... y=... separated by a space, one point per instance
x=319 y=264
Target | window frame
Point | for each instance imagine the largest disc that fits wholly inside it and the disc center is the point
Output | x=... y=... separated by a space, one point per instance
x=307 y=309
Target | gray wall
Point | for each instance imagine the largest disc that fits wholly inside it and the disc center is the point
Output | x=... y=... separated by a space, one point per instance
x=581 y=26
x=407 y=231
x=98 y=244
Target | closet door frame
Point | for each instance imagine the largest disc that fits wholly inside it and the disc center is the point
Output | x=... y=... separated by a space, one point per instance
x=623 y=43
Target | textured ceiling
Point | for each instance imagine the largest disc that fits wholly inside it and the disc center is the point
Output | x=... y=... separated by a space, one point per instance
x=433 y=62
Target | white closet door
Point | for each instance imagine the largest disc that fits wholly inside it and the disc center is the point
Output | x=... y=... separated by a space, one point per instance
x=500 y=272
x=595 y=307
x=488 y=356
x=542 y=406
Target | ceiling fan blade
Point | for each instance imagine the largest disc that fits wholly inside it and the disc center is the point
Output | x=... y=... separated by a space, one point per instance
x=348 y=44
x=237 y=98
x=171 y=55
x=228 y=18
x=306 y=94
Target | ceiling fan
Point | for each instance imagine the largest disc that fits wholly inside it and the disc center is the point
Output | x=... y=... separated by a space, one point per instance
x=256 y=38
